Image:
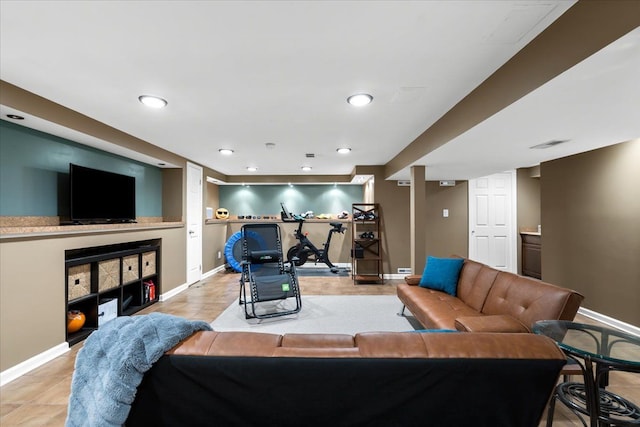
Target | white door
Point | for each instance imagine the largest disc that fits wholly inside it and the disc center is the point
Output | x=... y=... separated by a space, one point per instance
x=194 y=223
x=492 y=221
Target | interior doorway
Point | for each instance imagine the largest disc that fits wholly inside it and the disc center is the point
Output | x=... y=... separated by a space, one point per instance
x=492 y=221
x=194 y=223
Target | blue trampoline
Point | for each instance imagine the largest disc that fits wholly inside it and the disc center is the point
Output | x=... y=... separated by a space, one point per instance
x=233 y=248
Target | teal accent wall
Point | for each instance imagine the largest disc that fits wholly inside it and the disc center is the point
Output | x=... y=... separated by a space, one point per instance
x=34 y=173
x=265 y=199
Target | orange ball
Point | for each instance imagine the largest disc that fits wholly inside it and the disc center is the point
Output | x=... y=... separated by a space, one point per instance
x=75 y=320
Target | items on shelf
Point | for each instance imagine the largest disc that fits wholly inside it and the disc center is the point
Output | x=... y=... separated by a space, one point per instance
x=104 y=282
x=75 y=320
x=222 y=213
x=366 y=250
x=149 y=291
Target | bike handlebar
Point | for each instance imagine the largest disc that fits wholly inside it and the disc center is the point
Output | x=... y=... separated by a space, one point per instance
x=337 y=227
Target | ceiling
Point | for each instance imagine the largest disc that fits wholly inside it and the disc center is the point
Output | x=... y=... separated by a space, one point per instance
x=242 y=74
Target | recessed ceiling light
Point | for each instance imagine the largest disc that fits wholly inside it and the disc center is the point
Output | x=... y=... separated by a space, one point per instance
x=252 y=168
x=15 y=117
x=343 y=150
x=226 y=151
x=306 y=168
x=152 y=101
x=360 y=99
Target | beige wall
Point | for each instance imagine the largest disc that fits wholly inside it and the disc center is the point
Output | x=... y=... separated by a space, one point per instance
x=32 y=294
x=591 y=228
x=395 y=225
x=211 y=197
x=447 y=236
x=442 y=236
x=528 y=193
x=172 y=194
x=213 y=241
x=213 y=234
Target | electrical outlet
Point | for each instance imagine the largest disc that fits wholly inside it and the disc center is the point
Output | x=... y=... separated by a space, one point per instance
x=219 y=255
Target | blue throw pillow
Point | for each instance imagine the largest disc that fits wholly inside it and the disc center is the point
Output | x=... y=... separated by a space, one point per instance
x=442 y=274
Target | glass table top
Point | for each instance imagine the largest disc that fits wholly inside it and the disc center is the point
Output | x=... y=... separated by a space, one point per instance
x=598 y=342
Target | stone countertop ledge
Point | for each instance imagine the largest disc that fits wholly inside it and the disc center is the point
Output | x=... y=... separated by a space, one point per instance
x=9 y=230
x=533 y=231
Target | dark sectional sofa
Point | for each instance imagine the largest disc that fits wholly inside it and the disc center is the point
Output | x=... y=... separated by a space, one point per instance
x=488 y=300
x=370 y=379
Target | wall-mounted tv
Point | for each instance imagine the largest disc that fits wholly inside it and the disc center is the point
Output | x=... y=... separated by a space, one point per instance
x=101 y=197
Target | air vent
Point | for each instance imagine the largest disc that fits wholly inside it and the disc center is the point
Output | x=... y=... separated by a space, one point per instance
x=549 y=144
x=447 y=183
x=409 y=95
x=404 y=270
x=405 y=183
x=309 y=155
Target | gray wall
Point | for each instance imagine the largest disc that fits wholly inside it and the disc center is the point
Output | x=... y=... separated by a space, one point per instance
x=34 y=168
x=265 y=199
x=591 y=228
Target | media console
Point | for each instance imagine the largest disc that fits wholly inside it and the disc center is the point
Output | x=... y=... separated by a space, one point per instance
x=103 y=282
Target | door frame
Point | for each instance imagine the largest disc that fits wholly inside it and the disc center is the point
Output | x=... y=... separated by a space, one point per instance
x=195 y=217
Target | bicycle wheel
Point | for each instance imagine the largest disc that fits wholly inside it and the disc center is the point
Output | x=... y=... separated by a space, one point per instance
x=302 y=256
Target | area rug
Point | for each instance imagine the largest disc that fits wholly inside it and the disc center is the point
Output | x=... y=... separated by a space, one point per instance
x=344 y=314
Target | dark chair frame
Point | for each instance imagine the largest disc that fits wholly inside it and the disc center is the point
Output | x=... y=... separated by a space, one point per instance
x=265 y=273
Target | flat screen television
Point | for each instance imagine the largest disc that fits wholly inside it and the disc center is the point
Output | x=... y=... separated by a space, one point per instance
x=101 y=197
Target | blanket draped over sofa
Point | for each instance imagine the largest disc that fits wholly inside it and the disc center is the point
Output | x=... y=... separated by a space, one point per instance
x=113 y=360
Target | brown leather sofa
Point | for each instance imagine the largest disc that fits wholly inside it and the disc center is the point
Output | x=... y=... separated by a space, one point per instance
x=488 y=300
x=370 y=379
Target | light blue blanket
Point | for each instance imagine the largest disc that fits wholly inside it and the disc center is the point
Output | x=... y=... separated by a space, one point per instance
x=111 y=364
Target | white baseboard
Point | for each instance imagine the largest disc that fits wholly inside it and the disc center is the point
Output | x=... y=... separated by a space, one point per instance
x=173 y=292
x=22 y=368
x=32 y=363
x=395 y=276
x=610 y=321
x=310 y=264
x=212 y=272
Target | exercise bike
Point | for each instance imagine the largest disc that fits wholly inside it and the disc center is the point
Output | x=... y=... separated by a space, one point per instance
x=300 y=253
